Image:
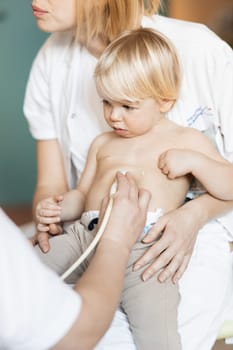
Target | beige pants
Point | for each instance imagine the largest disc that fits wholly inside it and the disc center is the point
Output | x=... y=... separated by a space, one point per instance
x=151 y=307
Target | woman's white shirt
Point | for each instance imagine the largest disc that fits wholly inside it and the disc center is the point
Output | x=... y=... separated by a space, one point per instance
x=62 y=102
x=37 y=308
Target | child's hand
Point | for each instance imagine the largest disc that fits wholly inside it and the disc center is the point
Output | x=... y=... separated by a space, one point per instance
x=48 y=211
x=176 y=162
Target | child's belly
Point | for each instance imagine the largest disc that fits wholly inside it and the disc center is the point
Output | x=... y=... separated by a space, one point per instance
x=166 y=194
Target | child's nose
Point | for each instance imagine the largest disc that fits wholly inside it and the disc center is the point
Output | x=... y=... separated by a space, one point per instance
x=116 y=114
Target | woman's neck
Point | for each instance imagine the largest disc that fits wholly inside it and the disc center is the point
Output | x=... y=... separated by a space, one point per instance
x=96 y=46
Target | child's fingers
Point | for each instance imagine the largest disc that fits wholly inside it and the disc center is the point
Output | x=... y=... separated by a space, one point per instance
x=48 y=220
x=49 y=212
x=42 y=228
x=165 y=169
x=162 y=160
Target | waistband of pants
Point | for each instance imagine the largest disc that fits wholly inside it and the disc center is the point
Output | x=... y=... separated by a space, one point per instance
x=90 y=218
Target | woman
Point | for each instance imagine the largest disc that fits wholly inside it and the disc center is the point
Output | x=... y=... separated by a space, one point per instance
x=65 y=114
x=50 y=314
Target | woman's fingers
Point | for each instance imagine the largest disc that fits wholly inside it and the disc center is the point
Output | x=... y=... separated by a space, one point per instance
x=128 y=211
x=156 y=230
x=144 y=199
x=179 y=273
x=33 y=240
x=169 y=271
x=171 y=264
x=55 y=229
x=43 y=241
x=173 y=239
x=133 y=188
x=103 y=208
x=44 y=233
x=158 y=252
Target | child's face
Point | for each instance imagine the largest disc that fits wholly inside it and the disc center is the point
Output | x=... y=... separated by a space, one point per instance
x=132 y=119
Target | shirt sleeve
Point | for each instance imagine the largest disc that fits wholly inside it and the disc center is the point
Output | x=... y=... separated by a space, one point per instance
x=224 y=97
x=37 y=102
x=37 y=308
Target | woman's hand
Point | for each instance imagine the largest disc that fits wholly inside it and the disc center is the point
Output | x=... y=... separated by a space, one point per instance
x=44 y=232
x=174 y=235
x=128 y=215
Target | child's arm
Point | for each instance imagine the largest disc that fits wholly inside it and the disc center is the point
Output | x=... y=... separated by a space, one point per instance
x=202 y=160
x=70 y=205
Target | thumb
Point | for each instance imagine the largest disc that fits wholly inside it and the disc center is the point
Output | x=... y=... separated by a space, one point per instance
x=103 y=208
x=144 y=197
x=156 y=230
x=58 y=198
x=55 y=229
x=33 y=240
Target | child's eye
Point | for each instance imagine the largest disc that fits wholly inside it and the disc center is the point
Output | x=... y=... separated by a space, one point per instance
x=128 y=107
x=106 y=102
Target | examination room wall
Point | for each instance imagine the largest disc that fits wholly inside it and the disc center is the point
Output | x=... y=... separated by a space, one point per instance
x=19 y=42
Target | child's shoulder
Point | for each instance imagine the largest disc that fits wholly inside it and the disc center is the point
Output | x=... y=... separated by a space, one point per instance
x=101 y=139
x=192 y=137
x=189 y=132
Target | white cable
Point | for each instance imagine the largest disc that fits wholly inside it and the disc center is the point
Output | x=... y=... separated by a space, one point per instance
x=99 y=233
x=97 y=236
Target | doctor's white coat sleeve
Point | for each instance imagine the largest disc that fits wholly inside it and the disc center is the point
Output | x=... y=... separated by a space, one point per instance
x=37 y=308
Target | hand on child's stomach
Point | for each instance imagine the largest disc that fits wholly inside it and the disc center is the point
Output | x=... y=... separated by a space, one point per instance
x=128 y=213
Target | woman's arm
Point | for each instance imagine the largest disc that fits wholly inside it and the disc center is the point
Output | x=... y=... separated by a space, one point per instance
x=100 y=286
x=51 y=181
x=51 y=178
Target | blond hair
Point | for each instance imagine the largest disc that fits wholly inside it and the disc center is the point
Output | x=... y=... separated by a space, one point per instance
x=109 y=18
x=139 y=64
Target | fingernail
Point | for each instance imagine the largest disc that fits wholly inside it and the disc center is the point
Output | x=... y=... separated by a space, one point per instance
x=146 y=239
x=162 y=279
x=136 y=267
x=146 y=276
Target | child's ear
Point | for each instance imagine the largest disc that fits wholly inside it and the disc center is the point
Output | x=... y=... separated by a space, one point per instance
x=165 y=105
